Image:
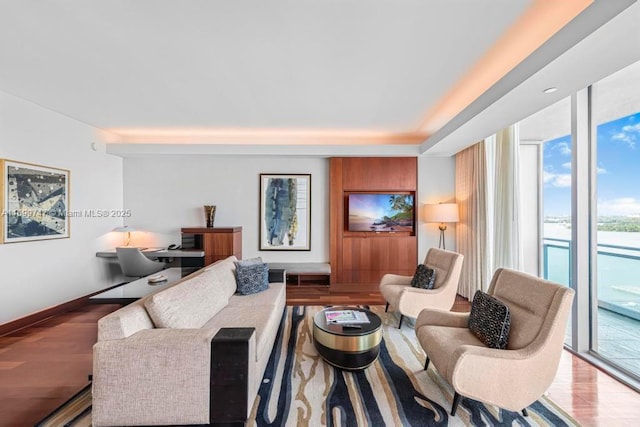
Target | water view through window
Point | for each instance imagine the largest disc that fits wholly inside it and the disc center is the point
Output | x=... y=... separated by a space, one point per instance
x=618 y=233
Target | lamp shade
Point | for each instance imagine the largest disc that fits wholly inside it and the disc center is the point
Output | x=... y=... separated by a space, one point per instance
x=441 y=212
x=124 y=229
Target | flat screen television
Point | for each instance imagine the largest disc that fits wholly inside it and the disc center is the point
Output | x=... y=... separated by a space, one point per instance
x=376 y=212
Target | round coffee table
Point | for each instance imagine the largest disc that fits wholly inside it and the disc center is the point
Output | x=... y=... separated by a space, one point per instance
x=346 y=347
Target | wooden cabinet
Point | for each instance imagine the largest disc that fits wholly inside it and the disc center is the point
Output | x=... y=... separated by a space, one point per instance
x=216 y=242
x=364 y=257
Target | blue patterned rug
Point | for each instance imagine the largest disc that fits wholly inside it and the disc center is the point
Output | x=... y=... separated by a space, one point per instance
x=299 y=388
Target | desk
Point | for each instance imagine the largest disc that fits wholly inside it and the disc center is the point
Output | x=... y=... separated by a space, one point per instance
x=129 y=292
x=158 y=253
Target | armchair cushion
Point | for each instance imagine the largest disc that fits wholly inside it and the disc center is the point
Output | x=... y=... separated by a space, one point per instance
x=490 y=320
x=424 y=277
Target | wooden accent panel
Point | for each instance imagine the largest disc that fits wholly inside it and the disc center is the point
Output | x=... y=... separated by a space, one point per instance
x=379 y=173
x=359 y=257
x=217 y=242
x=367 y=259
x=336 y=217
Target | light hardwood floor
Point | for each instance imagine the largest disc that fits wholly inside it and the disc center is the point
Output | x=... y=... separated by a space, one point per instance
x=43 y=365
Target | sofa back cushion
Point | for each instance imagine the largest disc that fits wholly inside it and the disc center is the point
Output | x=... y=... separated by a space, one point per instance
x=191 y=303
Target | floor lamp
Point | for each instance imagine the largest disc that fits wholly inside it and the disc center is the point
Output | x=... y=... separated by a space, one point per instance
x=441 y=213
x=125 y=229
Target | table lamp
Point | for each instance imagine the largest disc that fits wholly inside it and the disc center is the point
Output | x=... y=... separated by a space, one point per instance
x=125 y=229
x=442 y=213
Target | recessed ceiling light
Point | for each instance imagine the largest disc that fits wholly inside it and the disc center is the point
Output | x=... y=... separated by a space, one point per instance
x=550 y=89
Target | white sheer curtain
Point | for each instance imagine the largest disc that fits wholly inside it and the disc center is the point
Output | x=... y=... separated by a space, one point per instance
x=471 y=231
x=504 y=229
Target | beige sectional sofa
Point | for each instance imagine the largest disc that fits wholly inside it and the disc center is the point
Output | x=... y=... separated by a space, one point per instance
x=152 y=362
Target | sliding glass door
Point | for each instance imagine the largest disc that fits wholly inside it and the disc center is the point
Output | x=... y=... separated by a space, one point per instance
x=615 y=104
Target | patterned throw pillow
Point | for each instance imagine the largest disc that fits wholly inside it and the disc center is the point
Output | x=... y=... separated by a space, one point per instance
x=490 y=320
x=424 y=277
x=252 y=278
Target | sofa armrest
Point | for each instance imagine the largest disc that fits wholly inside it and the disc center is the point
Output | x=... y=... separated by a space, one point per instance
x=156 y=376
x=277 y=275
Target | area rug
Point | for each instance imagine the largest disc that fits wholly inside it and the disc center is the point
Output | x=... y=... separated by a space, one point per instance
x=300 y=389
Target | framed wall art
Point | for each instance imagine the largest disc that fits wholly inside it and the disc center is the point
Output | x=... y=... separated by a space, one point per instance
x=285 y=212
x=35 y=200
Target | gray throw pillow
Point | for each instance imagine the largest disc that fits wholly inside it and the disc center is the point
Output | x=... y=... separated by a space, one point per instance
x=424 y=277
x=490 y=320
x=252 y=279
x=249 y=261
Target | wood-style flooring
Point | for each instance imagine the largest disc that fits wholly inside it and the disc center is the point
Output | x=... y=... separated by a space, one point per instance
x=43 y=365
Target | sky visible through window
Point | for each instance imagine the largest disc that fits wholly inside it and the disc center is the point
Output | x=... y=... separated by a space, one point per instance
x=618 y=171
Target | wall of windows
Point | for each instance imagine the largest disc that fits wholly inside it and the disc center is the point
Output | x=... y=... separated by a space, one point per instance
x=590 y=213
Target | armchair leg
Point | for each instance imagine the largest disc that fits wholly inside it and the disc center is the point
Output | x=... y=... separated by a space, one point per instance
x=400 y=323
x=456 y=402
x=426 y=364
x=525 y=413
x=386 y=307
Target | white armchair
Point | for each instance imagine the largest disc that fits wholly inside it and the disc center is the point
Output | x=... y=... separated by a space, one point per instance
x=409 y=301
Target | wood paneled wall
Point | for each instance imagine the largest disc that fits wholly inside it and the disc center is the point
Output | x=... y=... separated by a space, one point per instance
x=361 y=257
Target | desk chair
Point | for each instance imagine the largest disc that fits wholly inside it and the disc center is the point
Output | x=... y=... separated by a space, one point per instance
x=135 y=264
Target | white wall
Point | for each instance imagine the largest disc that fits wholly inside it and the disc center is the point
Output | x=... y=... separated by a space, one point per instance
x=166 y=193
x=436 y=184
x=39 y=274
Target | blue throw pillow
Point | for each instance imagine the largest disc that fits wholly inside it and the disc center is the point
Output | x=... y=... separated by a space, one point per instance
x=490 y=320
x=252 y=278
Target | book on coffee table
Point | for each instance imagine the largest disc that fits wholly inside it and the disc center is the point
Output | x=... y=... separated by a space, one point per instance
x=346 y=316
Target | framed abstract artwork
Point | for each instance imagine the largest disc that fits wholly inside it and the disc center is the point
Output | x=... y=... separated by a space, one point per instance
x=285 y=212
x=35 y=200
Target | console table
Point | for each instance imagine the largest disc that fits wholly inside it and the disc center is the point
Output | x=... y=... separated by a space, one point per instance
x=132 y=291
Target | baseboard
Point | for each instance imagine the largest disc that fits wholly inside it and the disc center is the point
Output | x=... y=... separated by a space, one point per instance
x=39 y=316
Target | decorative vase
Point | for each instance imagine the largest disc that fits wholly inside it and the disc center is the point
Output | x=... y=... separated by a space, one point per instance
x=209 y=214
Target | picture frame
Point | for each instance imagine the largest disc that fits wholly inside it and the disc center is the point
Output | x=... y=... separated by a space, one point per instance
x=285 y=212
x=34 y=202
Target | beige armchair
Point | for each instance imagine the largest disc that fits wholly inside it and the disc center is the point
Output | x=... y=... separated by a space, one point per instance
x=409 y=301
x=512 y=378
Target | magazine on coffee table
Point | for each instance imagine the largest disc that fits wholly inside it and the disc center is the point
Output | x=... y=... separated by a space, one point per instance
x=346 y=316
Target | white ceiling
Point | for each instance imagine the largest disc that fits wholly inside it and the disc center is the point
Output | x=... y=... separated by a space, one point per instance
x=344 y=65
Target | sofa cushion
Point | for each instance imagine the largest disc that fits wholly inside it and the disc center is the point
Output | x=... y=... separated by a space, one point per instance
x=424 y=277
x=263 y=318
x=489 y=320
x=189 y=304
x=274 y=295
x=252 y=278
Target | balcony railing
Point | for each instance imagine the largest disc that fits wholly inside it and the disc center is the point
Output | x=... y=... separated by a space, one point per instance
x=618 y=274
